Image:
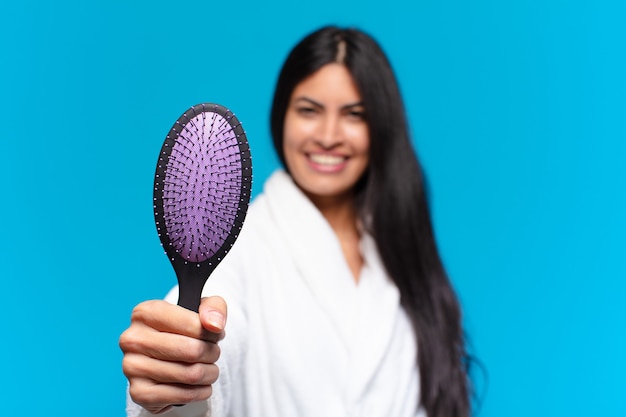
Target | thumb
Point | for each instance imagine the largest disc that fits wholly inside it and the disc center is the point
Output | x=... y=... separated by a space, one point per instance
x=213 y=313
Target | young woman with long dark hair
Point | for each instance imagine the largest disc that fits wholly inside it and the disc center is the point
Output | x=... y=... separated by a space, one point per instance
x=338 y=300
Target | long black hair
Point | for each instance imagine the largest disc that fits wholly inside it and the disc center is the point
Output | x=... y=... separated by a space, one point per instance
x=393 y=207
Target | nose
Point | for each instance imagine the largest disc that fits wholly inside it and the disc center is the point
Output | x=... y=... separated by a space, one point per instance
x=330 y=131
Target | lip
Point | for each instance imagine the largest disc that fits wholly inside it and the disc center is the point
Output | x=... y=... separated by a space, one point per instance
x=327 y=162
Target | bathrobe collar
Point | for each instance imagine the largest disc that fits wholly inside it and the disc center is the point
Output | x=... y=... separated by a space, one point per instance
x=362 y=314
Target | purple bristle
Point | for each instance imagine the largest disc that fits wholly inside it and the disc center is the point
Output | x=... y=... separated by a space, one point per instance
x=201 y=188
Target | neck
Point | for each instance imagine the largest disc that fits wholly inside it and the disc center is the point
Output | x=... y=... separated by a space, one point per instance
x=341 y=214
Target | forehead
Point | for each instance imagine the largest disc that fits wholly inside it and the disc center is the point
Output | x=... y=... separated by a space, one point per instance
x=332 y=83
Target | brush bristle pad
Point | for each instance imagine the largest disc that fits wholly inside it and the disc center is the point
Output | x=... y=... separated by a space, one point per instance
x=202 y=186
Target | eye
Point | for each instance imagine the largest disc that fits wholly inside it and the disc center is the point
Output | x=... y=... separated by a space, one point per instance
x=306 y=110
x=356 y=114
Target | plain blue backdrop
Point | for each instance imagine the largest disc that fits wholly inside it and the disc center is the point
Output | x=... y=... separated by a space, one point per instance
x=518 y=112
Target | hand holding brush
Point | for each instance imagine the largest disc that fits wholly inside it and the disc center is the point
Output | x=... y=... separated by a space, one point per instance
x=202 y=189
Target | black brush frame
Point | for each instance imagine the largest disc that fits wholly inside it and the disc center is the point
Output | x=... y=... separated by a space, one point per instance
x=195 y=274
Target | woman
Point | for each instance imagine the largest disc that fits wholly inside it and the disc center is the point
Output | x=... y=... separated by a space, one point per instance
x=338 y=301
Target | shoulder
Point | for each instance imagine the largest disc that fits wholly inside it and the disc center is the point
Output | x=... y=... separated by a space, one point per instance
x=254 y=253
x=260 y=228
x=262 y=216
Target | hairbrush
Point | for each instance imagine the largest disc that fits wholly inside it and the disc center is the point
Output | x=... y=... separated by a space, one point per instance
x=202 y=188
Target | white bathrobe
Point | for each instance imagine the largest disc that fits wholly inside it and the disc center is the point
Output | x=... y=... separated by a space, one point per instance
x=302 y=338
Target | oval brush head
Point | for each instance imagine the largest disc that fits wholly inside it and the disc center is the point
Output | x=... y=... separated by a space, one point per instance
x=202 y=189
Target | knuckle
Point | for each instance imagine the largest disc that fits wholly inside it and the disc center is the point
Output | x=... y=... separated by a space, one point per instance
x=213 y=373
x=140 y=311
x=123 y=340
x=214 y=352
x=187 y=396
x=216 y=374
x=191 y=350
x=140 y=395
x=129 y=341
x=144 y=311
x=131 y=366
x=201 y=374
x=127 y=366
x=195 y=374
x=191 y=395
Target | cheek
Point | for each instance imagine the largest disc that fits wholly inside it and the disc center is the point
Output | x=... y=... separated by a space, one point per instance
x=360 y=139
x=290 y=144
x=292 y=133
x=298 y=129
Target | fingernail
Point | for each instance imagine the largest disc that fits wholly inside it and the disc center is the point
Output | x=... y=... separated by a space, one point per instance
x=215 y=319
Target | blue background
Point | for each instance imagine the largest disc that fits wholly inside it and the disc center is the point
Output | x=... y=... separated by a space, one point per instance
x=518 y=111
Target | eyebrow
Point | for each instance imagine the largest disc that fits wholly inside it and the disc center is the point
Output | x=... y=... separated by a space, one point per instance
x=317 y=104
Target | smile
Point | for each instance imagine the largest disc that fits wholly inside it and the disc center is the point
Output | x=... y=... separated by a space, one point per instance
x=326 y=160
x=327 y=164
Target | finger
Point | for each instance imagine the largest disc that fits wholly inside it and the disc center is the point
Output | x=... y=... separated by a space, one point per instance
x=213 y=312
x=192 y=374
x=165 y=317
x=157 y=397
x=167 y=346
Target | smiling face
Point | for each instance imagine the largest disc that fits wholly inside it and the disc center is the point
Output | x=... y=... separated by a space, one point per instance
x=326 y=136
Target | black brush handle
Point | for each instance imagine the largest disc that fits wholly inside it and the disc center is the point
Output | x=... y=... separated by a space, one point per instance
x=191 y=279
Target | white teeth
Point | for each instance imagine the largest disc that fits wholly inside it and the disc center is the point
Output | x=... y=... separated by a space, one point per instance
x=326 y=159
